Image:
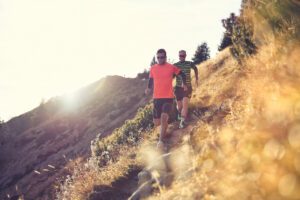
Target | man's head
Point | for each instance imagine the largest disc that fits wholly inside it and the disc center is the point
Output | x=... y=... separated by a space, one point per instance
x=161 y=56
x=182 y=55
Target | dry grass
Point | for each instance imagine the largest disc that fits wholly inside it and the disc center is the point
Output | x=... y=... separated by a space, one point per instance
x=85 y=176
x=250 y=147
x=253 y=151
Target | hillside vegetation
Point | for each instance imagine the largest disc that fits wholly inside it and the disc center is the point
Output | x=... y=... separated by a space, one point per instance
x=251 y=149
x=36 y=147
x=243 y=141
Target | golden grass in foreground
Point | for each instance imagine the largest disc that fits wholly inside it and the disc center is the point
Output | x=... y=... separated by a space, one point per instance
x=254 y=151
x=86 y=175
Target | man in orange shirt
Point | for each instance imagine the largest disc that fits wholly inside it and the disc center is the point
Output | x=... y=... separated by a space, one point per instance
x=161 y=76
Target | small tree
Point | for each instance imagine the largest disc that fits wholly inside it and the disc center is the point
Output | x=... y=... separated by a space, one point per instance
x=153 y=62
x=201 y=54
x=2 y=125
x=143 y=75
x=226 y=42
x=3 y=132
x=243 y=42
x=229 y=25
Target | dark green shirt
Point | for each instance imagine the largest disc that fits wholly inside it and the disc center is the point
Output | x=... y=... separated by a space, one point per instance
x=186 y=67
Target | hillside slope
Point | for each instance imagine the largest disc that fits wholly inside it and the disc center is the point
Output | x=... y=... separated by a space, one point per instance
x=242 y=141
x=41 y=142
x=245 y=144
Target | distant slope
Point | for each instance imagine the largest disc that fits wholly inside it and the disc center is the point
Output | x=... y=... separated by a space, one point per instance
x=56 y=131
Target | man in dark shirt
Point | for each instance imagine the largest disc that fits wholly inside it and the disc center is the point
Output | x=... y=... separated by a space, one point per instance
x=183 y=97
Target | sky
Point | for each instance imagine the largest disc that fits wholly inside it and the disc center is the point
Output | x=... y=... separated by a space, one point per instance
x=52 y=47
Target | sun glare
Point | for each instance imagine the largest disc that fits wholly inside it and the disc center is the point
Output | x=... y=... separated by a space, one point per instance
x=70 y=102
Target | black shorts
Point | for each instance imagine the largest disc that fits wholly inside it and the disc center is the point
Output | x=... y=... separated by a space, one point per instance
x=161 y=106
x=180 y=93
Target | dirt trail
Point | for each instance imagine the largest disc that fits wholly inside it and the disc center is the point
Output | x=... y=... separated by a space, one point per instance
x=119 y=190
x=175 y=135
x=124 y=187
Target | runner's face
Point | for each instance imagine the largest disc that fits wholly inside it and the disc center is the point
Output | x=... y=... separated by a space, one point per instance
x=182 y=56
x=161 y=58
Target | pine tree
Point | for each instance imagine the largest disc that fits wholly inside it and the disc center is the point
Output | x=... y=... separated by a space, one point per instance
x=226 y=41
x=153 y=62
x=145 y=74
x=201 y=54
x=3 y=132
x=229 y=25
x=2 y=124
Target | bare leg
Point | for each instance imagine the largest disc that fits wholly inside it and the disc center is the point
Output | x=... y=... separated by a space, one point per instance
x=179 y=106
x=164 y=126
x=156 y=122
x=185 y=109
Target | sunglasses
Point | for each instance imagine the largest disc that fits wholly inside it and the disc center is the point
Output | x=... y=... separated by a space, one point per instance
x=182 y=56
x=161 y=57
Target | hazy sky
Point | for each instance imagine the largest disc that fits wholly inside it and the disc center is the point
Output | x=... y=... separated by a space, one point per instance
x=50 y=47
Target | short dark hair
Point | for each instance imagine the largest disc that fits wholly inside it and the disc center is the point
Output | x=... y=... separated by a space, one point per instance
x=162 y=51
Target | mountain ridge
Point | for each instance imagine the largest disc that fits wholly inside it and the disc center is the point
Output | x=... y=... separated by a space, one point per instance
x=51 y=134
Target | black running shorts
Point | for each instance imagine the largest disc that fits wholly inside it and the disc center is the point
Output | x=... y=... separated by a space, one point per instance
x=161 y=106
x=180 y=93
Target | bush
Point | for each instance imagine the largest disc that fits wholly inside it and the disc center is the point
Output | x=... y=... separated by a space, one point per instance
x=282 y=16
x=228 y=24
x=242 y=39
x=143 y=75
x=201 y=54
x=226 y=41
x=106 y=149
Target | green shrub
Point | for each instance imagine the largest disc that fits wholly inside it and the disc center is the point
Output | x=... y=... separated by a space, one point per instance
x=228 y=24
x=201 y=54
x=242 y=40
x=130 y=133
x=282 y=16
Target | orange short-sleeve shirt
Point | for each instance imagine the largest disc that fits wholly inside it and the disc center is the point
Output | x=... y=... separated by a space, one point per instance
x=162 y=77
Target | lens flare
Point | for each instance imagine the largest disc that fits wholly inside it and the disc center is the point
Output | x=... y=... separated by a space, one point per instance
x=274 y=150
x=208 y=164
x=294 y=136
x=287 y=184
x=297 y=163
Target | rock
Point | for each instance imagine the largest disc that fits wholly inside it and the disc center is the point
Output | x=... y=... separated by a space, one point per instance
x=144 y=176
x=143 y=191
x=166 y=179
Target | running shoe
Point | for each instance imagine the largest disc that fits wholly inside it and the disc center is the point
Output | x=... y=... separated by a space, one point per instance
x=182 y=124
x=160 y=145
x=179 y=116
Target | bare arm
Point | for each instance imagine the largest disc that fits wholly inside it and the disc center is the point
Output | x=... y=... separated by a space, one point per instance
x=150 y=83
x=150 y=86
x=196 y=71
x=183 y=77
